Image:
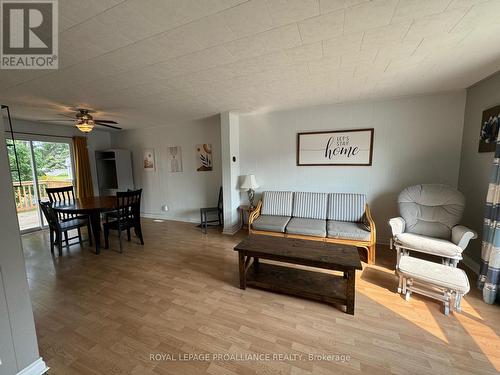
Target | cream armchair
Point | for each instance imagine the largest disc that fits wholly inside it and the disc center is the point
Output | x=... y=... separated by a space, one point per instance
x=429 y=223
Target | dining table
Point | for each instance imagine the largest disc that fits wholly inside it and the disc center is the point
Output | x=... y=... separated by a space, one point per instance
x=91 y=207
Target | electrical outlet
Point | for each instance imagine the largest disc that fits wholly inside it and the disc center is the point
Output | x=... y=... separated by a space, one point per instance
x=164 y=207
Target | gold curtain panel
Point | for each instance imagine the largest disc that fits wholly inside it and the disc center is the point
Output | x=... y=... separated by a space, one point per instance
x=84 y=187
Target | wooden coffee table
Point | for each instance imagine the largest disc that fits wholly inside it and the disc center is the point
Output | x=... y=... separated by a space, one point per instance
x=303 y=283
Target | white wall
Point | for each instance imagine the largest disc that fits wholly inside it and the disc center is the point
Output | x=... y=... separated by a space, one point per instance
x=96 y=140
x=184 y=192
x=18 y=342
x=475 y=167
x=417 y=140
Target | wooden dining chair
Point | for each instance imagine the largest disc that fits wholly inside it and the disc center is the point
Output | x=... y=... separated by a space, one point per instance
x=219 y=210
x=63 y=194
x=128 y=208
x=59 y=228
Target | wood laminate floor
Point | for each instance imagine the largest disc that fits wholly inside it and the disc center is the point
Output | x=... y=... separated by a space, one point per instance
x=178 y=295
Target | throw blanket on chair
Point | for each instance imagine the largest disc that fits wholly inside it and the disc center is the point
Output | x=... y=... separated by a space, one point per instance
x=489 y=275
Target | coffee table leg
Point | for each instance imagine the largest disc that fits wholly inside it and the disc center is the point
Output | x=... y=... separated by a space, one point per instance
x=243 y=277
x=350 y=291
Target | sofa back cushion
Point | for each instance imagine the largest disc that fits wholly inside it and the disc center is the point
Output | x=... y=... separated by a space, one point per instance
x=431 y=210
x=310 y=205
x=346 y=207
x=277 y=203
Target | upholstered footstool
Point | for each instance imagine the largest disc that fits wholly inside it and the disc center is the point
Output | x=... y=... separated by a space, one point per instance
x=438 y=281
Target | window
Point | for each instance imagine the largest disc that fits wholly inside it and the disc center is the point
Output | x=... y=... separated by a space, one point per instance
x=42 y=164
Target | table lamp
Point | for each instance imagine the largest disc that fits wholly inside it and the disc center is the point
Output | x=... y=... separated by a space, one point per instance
x=250 y=184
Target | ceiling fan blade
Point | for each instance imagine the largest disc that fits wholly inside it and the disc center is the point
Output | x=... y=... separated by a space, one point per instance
x=108 y=126
x=65 y=115
x=54 y=120
x=106 y=121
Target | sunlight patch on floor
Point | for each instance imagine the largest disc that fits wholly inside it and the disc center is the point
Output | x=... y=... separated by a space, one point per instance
x=466 y=306
x=484 y=337
x=421 y=316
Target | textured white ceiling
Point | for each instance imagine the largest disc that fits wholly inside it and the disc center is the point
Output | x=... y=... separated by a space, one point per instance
x=157 y=62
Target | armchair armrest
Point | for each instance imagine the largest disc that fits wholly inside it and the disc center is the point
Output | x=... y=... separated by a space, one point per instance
x=398 y=225
x=461 y=235
x=254 y=215
x=373 y=229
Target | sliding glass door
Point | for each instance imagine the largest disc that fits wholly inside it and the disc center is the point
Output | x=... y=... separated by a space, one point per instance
x=42 y=164
x=23 y=183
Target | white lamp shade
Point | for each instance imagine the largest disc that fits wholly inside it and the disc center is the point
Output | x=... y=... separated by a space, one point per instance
x=249 y=182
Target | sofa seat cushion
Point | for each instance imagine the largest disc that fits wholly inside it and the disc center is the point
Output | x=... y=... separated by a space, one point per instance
x=307 y=227
x=271 y=223
x=430 y=245
x=347 y=230
x=434 y=273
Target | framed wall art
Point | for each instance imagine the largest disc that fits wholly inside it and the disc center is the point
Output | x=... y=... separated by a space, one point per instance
x=336 y=147
x=174 y=159
x=204 y=157
x=489 y=129
x=148 y=160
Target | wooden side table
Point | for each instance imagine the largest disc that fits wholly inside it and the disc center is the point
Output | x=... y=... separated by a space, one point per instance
x=244 y=208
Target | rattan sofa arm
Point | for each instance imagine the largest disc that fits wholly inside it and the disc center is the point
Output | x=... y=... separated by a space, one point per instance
x=254 y=215
x=373 y=229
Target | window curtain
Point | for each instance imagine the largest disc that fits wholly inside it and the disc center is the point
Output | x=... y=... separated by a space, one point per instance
x=490 y=252
x=84 y=187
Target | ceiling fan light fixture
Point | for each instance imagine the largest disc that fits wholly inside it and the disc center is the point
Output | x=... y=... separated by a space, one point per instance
x=85 y=126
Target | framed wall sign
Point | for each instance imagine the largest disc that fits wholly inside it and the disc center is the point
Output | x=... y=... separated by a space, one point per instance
x=337 y=147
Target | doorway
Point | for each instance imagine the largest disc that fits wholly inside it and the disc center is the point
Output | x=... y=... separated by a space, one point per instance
x=42 y=164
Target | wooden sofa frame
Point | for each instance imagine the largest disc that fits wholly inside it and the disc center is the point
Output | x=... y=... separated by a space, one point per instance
x=369 y=246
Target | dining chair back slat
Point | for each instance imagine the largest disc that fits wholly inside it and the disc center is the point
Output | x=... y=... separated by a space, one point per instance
x=62 y=194
x=50 y=215
x=59 y=228
x=127 y=216
x=220 y=200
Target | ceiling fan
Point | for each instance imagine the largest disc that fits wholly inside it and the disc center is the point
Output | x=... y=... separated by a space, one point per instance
x=84 y=121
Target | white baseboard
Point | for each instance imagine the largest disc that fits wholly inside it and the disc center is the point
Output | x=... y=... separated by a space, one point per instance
x=232 y=230
x=472 y=264
x=165 y=217
x=36 y=368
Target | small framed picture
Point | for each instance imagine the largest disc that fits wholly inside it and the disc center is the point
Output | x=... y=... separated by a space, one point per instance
x=204 y=157
x=489 y=129
x=149 y=160
x=174 y=159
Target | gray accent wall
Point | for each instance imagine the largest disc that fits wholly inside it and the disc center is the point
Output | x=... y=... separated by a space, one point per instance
x=475 y=167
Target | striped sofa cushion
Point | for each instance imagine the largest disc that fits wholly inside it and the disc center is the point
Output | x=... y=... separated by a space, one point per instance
x=310 y=205
x=277 y=203
x=346 y=207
